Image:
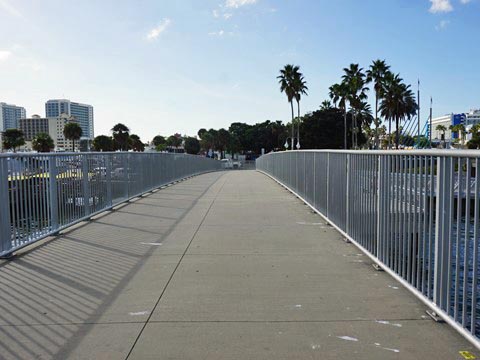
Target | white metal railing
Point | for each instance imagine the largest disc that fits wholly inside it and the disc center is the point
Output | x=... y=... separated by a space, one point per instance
x=415 y=213
x=41 y=194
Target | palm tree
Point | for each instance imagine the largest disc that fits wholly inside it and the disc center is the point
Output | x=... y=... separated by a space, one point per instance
x=286 y=81
x=325 y=105
x=300 y=88
x=355 y=81
x=72 y=131
x=42 y=143
x=459 y=129
x=442 y=129
x=121 y=136
x=398 y=103
x=339 y=94
x=376 y=73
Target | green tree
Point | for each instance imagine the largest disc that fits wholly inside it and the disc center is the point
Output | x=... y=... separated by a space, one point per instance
x=460 y=130
x=136 y=144
x=42 y=143
x=12 y=139
x=474 y=143
x=376 y=74
x=326 y=105
x=398 y=103
x=174 y=141
x=286 y=80
x=158 y=140
x=223 y=139
x=103 y=143
x=192 y=145
x=323 y=129
x=121 y=137
x=354 y=79
x=72 y=131
x=339 y=95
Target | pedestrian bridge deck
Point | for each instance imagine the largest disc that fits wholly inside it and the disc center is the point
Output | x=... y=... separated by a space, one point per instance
x=226 y=265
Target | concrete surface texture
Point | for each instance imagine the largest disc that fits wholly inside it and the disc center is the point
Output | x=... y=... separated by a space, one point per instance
x=226 y=265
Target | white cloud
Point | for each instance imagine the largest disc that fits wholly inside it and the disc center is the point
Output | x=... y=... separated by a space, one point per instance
x=442 y=25
x=441 y=6
x=217 y=33
x=227 y=16
x=238 y=3
x=9 y=8
x=155 y=32
x=5 y=55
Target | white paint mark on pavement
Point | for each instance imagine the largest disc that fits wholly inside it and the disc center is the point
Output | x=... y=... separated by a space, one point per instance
x=347 y=338
x=384 y=322
x=152 y=244
x=140 y=313
x=393 y=287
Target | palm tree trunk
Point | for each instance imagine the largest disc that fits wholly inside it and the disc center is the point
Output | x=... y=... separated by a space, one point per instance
x=389 y=134
x=345 y=128
x=397 y=136
x=293 y=125
x=376 y=121
x=353 y=132
x=298 y=138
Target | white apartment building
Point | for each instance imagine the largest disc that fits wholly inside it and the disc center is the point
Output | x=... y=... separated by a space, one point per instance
x=55 y=130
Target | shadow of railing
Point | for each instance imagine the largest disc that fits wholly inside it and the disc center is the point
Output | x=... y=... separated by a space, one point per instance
x=51 y=297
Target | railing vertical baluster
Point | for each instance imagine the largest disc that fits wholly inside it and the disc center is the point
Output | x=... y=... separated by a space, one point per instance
x=53 y=191
x=86 y=185
x=5 y=226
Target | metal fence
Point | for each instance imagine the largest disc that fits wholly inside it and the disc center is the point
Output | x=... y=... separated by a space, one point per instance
x=41 y=194
x=415 y=213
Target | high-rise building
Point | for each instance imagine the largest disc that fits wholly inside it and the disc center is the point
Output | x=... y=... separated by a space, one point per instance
x=9 y=116
x=33 y=126
x=83 y=114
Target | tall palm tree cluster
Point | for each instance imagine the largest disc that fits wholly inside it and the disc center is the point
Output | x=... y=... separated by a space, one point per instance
x=293 y=84
x=394 y=100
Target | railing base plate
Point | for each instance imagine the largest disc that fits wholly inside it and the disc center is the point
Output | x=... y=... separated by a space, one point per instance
x=434 y=316
x=377 y=267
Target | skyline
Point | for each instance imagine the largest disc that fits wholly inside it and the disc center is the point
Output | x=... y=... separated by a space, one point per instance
x=162 y=67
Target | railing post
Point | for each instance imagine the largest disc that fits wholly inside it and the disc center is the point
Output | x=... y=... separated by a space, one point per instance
x=440 y=287
x=53 y=190
x=108 y=179
x=86 y=187
x=380 y=205
x=347 y=197
x=5 y=226
x=328 y=184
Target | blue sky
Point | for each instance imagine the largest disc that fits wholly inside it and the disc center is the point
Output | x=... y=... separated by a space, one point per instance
x=175 y=66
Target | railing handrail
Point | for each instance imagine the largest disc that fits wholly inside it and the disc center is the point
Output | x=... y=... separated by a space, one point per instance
x=59 y=153
x=426 y=152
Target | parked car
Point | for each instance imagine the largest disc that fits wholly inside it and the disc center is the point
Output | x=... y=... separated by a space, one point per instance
x=227 y=164
x=237 y=164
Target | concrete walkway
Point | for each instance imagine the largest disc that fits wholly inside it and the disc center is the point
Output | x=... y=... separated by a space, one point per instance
x=222 y=266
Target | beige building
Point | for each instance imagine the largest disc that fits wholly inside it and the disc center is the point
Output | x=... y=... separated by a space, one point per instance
x=33 y=126
x=55 y=129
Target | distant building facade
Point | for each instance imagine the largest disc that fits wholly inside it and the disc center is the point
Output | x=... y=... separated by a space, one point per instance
x=55 y=130
x=33 y=126
x=83 y=114
x=467 y=119
x=10 y=115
